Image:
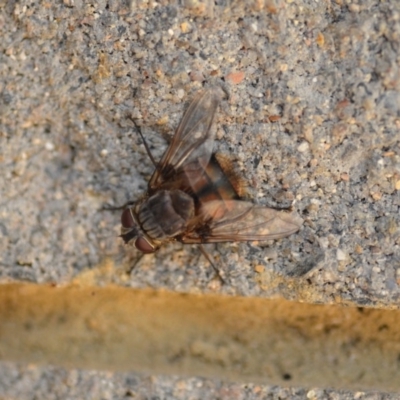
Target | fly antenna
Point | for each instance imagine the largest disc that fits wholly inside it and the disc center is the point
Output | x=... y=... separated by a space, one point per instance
x=139 y=130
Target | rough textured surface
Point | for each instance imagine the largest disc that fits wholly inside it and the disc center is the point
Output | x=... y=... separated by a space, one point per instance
x=25 y=382
x=313 y=116
x=73 y=73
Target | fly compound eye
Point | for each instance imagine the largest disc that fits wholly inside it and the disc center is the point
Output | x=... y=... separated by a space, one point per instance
x=143 y=245
x=127 y=220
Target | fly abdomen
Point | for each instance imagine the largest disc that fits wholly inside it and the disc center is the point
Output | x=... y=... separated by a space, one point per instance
x=166 y=213
x=212 y=182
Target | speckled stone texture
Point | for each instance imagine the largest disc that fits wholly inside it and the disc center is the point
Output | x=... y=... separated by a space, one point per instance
x=56 y=383
x=327 y=75
x=312 y=119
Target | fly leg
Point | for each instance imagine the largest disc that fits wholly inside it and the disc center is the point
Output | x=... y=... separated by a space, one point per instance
x=211 y=260
x=116 y=208
x=139 y=130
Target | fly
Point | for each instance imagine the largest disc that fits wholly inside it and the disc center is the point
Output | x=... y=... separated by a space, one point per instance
x=191 y=199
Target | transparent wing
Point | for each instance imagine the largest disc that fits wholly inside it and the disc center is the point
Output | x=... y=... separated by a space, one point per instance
x=235 y=220
x=191 y=147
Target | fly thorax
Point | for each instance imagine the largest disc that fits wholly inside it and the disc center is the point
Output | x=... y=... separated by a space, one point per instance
x=166 y=214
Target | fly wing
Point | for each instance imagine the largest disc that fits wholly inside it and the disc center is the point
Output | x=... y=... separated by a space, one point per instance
x=191 y=147
x=235 y=220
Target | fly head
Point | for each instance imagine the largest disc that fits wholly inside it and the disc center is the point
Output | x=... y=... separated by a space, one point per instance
x=130 y=231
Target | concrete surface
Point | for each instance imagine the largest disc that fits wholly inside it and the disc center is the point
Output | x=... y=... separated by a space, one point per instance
x=313 y=116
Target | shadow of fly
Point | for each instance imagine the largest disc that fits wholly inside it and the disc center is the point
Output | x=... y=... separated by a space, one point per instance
x=193 y=199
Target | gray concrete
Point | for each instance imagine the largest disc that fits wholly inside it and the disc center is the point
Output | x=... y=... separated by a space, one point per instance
x=315 y=120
